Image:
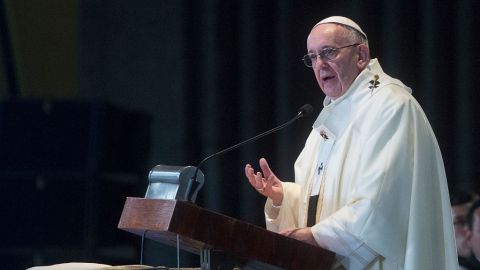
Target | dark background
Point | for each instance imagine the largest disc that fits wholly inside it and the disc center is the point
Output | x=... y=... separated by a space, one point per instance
x=95 y=93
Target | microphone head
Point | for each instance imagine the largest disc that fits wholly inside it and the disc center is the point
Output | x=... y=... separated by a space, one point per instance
x=305 y=110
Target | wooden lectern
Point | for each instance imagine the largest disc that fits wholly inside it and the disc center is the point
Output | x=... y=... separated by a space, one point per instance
x=203 y=230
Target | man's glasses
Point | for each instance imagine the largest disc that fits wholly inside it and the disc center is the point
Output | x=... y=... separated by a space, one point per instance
x=326 y=54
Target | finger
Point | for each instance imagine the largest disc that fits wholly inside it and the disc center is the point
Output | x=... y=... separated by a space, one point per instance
x=286 y=232
x=248 y=171
x=250 y=174
x=265 y=168
x=260 y=182
x=259 y=179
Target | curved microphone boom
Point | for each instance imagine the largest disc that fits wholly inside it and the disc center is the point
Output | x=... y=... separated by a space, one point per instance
x=303 y=111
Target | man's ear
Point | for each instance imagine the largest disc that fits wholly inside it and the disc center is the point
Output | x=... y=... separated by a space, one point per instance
x=363 y=56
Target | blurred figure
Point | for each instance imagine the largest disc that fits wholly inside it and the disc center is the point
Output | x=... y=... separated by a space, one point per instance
x=461 y=202
x=473 y=235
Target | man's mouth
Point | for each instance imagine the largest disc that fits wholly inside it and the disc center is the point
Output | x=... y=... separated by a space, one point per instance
x=327 y=78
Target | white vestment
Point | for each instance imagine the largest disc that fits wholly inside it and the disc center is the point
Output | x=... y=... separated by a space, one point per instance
x=373 y=159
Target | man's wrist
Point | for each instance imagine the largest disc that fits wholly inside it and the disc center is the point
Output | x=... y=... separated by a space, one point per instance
x=276 y=205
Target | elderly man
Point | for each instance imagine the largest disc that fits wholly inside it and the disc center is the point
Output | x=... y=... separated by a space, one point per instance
x=370 y=183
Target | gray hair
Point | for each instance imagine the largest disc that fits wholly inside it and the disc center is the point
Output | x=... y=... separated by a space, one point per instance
x=353 y=34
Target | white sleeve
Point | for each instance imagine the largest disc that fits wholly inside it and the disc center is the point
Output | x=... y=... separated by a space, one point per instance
x=285 y=216
x=351 y=252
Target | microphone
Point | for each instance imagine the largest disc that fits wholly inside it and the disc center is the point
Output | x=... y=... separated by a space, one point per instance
x=303 y=111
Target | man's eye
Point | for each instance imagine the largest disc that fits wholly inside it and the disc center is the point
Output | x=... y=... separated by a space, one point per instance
x=329 y=52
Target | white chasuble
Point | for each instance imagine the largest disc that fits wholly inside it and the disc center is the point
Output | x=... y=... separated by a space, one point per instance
x=374 y=161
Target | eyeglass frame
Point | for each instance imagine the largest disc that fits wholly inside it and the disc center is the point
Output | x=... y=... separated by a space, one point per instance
x=322 y=53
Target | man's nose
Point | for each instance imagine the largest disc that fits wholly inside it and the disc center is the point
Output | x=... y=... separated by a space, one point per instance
x=319 y=62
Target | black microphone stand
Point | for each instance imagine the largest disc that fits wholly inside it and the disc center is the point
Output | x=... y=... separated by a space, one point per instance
x=192 y=185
